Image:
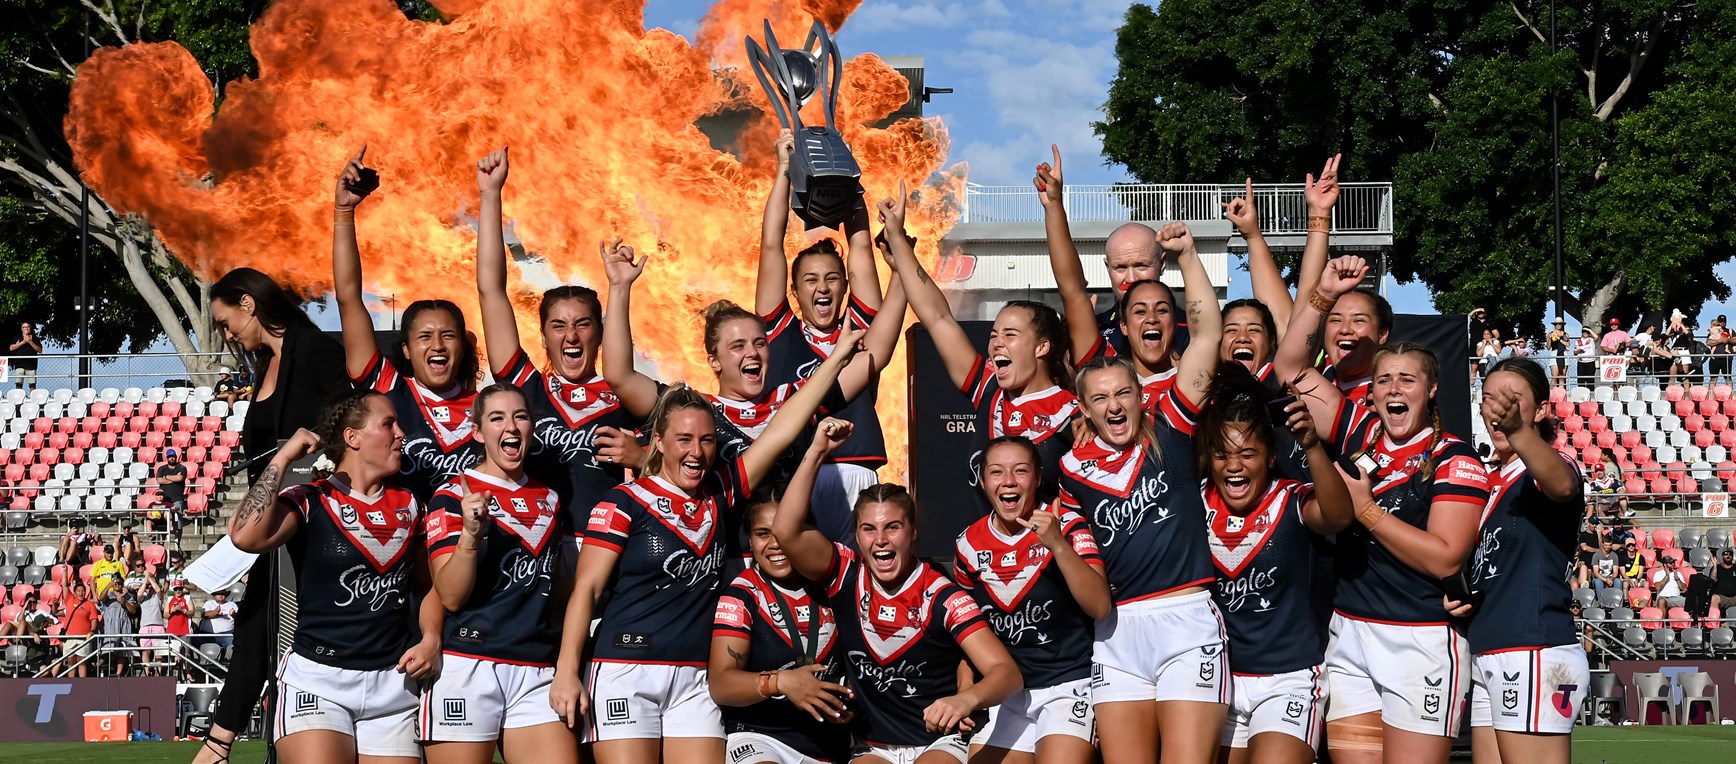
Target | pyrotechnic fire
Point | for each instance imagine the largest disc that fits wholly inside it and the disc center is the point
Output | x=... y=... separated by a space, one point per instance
x=600 y=114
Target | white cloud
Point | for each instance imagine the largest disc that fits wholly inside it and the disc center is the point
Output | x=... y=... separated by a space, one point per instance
x=916 y=18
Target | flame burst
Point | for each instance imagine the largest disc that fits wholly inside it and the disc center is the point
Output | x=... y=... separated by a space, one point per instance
x=600 y=114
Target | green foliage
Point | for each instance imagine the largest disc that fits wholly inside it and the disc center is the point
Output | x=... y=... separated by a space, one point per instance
x=1451 y=101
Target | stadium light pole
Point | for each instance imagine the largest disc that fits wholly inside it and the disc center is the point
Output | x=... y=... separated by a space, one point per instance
x=84 y=254
x=1555 y=162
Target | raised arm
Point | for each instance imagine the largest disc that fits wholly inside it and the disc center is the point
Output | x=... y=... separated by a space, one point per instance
x=264 y=520
x=1269 y=286
x=1329 y=510
x=1321 y=195
x=1076 y=305
x=810 y=552
x=638 y=393
x=864 y=274
x=499 y=324
x=793 y=417
x=454 y=574
x=1205 y=322
x=956 y=350
x=1554 y=476
x=354 y=184
x=881 y=341
x=774 y=269
x=1294 y=360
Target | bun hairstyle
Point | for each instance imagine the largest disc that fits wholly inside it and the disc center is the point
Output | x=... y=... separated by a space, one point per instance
x=1432 y=371
x=674 y=398
x=886 y=493
x=1047 y=325
x=349 y=412
x=469 y=366
x=722 y=312
x=1538 y=382
x=586 y=295
x=1236 y=397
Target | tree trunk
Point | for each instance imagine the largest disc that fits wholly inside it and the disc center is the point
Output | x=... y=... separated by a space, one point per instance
x=1602 y=299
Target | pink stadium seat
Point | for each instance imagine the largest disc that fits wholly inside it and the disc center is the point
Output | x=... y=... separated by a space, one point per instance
x=1708 y=407
x=1621 y=457
x=14 y=473
x=107 y=440
x=1572 y=424
x=97 y=554
x=194 y=455
x=132 y=439
x=1676 y=470
x=144 y=501
x=47 y=457
x=211 y=471
x=1632 y=438
x=181 y=439
x=1727 y=471
x=1605 y=438
x=198 y=504
x=162 y=423
x=146 y=409
x=1557 y=394
x=1588 y=409
x=1704 y=438
x=1674 y=393
x=25 y=456
x=42 y=425
x=208 y=438
x=1687 y=486
x=5 y=456
x=35 y=440
x=156 y=554
x=66 y=424
x=89 y=424
x=1721 y=392
x=1718 y=422
x=1713 y=614
x=1659 y=486
x=169 y=408
x=73 y=456
x=1728 y=408
x=1597 y=424
x=1663 y=538
x=58 y=440
x=1581 y=440
x=232 y=439
x=20 y=591
x=1586 y=454
x=1697 y=393
x=1651 y=617
x=8 y=614
x=1563 y=409
x=1684 y=408
x=84 y=575
x=186 y=424
x=1694 y=423
x=211 y=423
x=60 y=574
x=114 y=424
x=100 y=409
x=19 y=501
x=147 y=454
x=156 y=438
x=221 y=454
x=51 y=592
x=40 y=472
x=123 y=409
x=83 y=440
x=138 y=424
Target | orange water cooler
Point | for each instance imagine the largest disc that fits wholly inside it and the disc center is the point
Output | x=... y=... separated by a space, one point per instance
x=108 y=726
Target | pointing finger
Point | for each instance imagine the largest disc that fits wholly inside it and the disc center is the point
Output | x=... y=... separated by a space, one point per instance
x=362 y=153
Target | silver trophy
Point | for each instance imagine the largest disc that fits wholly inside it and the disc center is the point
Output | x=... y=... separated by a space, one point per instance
x=825 y=181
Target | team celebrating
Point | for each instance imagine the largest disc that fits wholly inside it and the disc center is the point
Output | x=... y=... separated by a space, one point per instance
x=1205 y=534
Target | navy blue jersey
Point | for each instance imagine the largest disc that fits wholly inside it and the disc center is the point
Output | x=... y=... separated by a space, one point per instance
x=439 y=437
x=1522 y=563
x=353 y=558
x=798 y=349
x=901 y=649
x=1292 y=459
x=1025 y=597
x=760 y=611
x=1146 y=512
x=1045 y=417
x=666 y=582
x=507 y=618
x=1373 y=584
x=1265 y=563
x=564 y=454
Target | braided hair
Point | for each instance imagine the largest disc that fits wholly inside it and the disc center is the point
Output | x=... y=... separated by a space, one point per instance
x=885 y=493
x=349 y=412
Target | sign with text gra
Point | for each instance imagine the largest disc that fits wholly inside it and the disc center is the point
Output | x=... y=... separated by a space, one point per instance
x=1612 y=369
x=47 y=710
x=1715 y=505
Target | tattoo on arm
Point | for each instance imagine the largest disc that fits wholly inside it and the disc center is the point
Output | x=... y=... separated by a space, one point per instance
x=740 y=658
x=1313 y=345
x=1195 y=311
x=261 y=495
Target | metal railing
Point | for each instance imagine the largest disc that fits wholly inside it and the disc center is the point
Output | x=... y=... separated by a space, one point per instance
x=55 y=371
x=182 y=655
x=1364 y=208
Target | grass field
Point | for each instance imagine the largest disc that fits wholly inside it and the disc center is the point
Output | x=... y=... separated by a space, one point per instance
x=1591 y=745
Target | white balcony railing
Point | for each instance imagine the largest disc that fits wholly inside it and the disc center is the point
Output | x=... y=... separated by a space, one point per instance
x=1363 y=208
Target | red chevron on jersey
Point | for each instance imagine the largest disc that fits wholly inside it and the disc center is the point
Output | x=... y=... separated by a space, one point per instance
x=380 y=529
x=1396 y=462
x=1236 y=539
x=892 y=623
x=1104 y=468
x=1152 y=388
x=773 y=612
x=526 y=510
x=694 y=520
x=448 y=414
x=1007 y=567
x=578 y=403
x=1034 y=415
x=751 y=417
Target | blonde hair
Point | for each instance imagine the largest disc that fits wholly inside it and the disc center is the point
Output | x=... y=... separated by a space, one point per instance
x=673 y=398
x=1432 y=370
x=1145 y=432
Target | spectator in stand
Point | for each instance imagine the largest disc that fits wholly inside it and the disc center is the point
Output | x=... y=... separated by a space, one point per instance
x=1678 y=323
x=1590 y=543
x=1687 y=353
x=1555 y=347
x=1606 y=569
x=1720 y=344
x=172 y=480
x=1487 y=351
x=1615 y=341
x=174 y=575
x=28 y=629
x=127 y=541
x=80 y=616
x=137 y=575
x=227 y=388
x=1669 y=585
x=1585 y=351
x=1723 y=577
x=120 y=612
x=152 y=620
x=107 y=571
x=220 y=619
x=22 y=353
x=75 y=544
x=1604 y=482
x=178 y=619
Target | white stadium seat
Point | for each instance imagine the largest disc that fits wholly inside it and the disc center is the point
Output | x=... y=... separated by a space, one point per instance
x=179 y=394
x=217 y=408
x=70 y=503
x=15 y=396
x=54 y=409
x=120 y=503
x=139 y=471
x=1646 y=423
x=62 y=396
x=45 y=503
x=109 y=395
x=132 y=395
x=114 y=471
x=1627 y=394
x=1691 y=453
x=122 y=455
x=241 y=407
x=11 y=441
x=1664 y=454
x=1716 y=454
x=97 y=454
x=202 y=393
x=54 y=487
x=1621 y=423
x=65 y=472
x=1603 y=395
x=88 y=472
x=194 y=408
x=39 y=396
x=234 y=422
x=77 y=409
x=156 y=395
x=87 y=395
x=96 y=503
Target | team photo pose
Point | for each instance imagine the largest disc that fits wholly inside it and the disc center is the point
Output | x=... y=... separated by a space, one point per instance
x=1262 y=530
x=907 y=632
x=493 y=542
x=828 y=290
x=368 y=631
x=582 y=441
x=1397 y=667
x=434 y=402
x=1320 y=195
x=1528 y=670
x=775 y=669
x=1159 y=678
x=659 y=542
x=1035 y=572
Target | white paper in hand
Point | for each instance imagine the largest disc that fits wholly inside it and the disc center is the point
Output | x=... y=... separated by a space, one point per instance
x=220 y=567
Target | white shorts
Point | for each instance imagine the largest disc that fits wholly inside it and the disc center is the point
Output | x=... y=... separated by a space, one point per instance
x=1031 y=715
x=1161 y=649
x=473 y=700
x=377 y=708
x=647 y=701
x=1417 y=677
x=1529 y=690
x=1291 y=703
x=834 y=499
x=952 y=745
x=755 y=748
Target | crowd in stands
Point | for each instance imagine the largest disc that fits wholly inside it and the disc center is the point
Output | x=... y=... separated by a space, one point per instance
x=1677 y=355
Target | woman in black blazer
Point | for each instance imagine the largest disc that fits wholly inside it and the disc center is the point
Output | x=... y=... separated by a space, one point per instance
x=297 y=370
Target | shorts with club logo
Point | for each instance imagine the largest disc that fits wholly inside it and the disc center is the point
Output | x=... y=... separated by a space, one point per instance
x=473 y=700
x=1292 y=703
x=1033 y=714
x=1417 y=677
x=649 y=700
x=377 y=708
x=1536 y=690
x=951 y=745
x=1170 y=648
x=757 y=748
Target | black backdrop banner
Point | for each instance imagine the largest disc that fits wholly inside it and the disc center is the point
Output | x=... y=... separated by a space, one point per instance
x=943 y=425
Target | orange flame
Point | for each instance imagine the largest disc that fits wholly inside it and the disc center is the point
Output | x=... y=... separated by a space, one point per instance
x=600 y=114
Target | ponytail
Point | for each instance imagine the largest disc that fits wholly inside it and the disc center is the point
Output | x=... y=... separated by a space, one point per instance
x=673 y=398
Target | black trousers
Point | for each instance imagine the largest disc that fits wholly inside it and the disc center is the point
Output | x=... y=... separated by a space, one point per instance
x=250 y=662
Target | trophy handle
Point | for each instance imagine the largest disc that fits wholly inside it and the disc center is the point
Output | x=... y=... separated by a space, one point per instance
x=787 y=106
x=830 y=67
